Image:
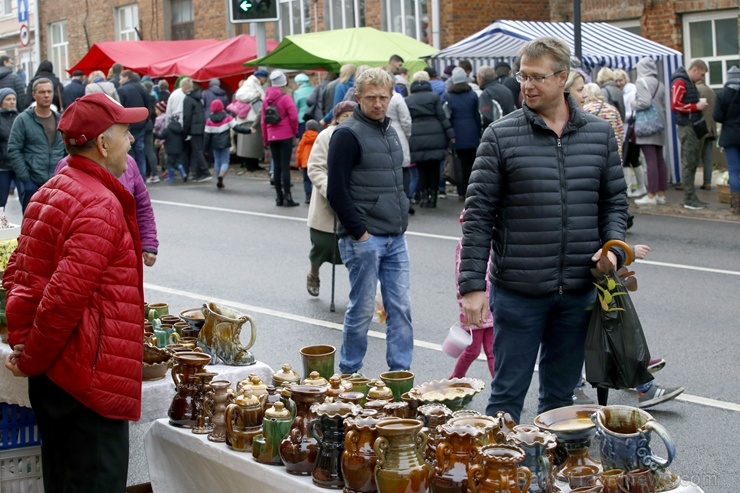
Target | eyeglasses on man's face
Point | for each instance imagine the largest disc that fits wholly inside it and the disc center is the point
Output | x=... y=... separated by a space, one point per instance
x=535 y=79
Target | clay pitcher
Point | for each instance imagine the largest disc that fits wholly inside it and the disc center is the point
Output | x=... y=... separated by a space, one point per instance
x=358 y=458
x=299 y=450
x=328 y=430
x=244 y=421
x=433 y=415
x=539 y=446
x=399 y=448
x=222 y=395
x=219 y=336
x=456 y=450
x=275 y=427
x=497 y=470
x=624 y=433
x=182 y=411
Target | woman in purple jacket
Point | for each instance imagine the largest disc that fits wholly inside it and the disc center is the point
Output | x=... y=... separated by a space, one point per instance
x=279 y=136
x=134 y=183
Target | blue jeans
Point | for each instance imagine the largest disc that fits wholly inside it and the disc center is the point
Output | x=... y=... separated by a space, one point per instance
x=220 y=161
x=137 y=151
x=733 y=167
x=6 y=180
x=555 y=325
x=307 y=185
x=384 y=259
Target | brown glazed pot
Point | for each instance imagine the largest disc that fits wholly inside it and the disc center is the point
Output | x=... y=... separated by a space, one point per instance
x=299 y=450
x=399 y=448
x=497 y=470
x=456 y=451
x=358 y=458
x=244 y=421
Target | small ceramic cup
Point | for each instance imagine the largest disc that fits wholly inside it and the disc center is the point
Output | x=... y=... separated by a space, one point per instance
x=399 y=382
x=157 y=310
x=581 y=476
x=613 y=481
x=640 y=481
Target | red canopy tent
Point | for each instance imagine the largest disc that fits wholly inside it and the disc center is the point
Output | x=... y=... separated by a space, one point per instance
x=136 y=55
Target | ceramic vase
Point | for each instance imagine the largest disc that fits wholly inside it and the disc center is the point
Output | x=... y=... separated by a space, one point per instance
x=457 y=448
x=497 y=470
x=358 y=458
x=202 y=402
x=328 y=430
x=399 y=448
x=299 y=450
x=318 y=358
x=221 y=396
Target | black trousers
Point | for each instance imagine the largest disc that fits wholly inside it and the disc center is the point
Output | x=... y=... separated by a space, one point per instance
x=81 y=451
x=467 y=158
x=281 y=153
x=194 y=161
x=428 y=175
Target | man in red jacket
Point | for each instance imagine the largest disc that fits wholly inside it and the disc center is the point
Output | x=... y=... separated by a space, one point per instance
x=74 y=300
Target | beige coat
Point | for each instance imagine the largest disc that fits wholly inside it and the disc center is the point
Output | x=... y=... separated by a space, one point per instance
x=320 y=214
x=707 y=92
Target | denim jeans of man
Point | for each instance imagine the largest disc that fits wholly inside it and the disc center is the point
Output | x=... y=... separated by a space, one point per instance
x=385 y=259
x=138 y=150
x=555 y=325
x=25 y=192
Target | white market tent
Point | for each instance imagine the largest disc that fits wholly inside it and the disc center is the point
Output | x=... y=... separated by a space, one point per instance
x=603 y=45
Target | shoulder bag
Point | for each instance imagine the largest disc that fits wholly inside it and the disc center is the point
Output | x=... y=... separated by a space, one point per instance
x=648 y=121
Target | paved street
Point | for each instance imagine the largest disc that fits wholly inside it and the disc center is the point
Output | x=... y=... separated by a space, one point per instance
x=236 y=247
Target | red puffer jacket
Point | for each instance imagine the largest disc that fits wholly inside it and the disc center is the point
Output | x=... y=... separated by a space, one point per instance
x=75 y=289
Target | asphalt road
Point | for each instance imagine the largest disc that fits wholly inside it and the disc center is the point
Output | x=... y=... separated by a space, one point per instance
x=236 y=247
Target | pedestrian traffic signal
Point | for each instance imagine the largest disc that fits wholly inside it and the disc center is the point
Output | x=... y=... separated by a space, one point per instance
x=253 y=11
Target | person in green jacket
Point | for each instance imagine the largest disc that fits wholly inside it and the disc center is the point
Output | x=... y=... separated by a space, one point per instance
x=35 y=145
x=300 y=96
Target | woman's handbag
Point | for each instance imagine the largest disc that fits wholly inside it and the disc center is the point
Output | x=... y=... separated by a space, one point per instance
x=648 y=121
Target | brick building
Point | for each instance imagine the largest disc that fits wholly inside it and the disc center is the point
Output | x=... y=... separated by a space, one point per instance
x=706 y=28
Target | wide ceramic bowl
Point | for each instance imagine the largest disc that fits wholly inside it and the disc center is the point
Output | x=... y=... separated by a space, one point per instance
x=569 y=422
x=155 y=371
x=194 y=317
x=455 y=393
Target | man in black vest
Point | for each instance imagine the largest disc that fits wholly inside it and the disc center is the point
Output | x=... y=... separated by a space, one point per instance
x=365 y=188
x=687 y=107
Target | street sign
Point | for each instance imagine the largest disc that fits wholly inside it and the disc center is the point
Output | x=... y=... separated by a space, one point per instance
x=25 y=35
x=241 y=11
x=22 y=11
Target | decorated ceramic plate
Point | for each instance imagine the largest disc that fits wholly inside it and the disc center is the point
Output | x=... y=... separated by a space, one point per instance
x=455 y=393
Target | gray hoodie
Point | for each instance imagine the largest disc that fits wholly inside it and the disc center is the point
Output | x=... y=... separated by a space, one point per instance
x=649 y=88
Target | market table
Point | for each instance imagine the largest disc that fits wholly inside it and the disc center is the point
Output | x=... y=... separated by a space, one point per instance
x=182 y=461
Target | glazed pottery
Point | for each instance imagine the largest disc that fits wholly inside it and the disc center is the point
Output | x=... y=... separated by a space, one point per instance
x=221 y=397
x=328 y=430
x=613 y=481
x=399 y=382
x=398 y=410
x=182 y=409
x=413 y=404
x=640 y=481
x=455 y=393
x=358 y=458
x=285 y=374
x=220 y=335
x=489 y=425
x=188 y=363
x=433 y=415
x=157 y=310
x=202 y=401
x=275 y=426
x=538 y=446
x=166 y=335
x=318 y=358
x=315 y=379
x=253 y=383
x=194 y=318
x=399 y=449
x=360 y=384
x=457 y=448
x=352 y=397
x=581 y=476
x=336 y=387
x=243 y=421
x=299 y=450
x=380 y=391
x=497 y=470
x=624 y=433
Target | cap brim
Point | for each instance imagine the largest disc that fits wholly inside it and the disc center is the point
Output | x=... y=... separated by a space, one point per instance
x=133 y=115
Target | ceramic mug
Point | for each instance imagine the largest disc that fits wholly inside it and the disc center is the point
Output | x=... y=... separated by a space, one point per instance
x=166 y=335
x=614 y=481
x=581 y=476
x=157 y=310
x=399 y=382
x=640 y=481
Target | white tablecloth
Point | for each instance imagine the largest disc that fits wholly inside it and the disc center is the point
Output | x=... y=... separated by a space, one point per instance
x=181 y=461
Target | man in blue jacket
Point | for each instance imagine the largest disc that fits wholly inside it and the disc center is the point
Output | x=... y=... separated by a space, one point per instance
x=35 y=146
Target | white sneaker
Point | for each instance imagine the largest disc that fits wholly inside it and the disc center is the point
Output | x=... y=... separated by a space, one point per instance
x=661 y=200
x=647 y=201
x=638 y=192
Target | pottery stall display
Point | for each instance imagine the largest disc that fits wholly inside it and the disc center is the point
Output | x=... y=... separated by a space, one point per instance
x=399 y=449
x=457 y=448
x=275 y=426
x=244 y=421
x=318 y=358
x=497 y=470
x=328 y=430
x=299 y=450
x=538 y=446
x=220 y=335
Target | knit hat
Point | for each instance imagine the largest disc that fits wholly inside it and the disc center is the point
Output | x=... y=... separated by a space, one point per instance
x=458 y=76
x=161 y=106
x=343 y=107
x=301 y=78
x=214 y=82
x=217 y=105
x=260 y=73
x=733 y=75
x=313 y=125
x=5 y=92
x=278 y=79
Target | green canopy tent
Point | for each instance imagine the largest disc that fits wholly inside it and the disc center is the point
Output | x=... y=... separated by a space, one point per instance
x=329 y=50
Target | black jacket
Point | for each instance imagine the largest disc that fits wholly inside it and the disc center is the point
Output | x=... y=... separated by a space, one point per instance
x=7 y=117
x=13 y=81
x=75 y=89
x=494 y=90
x=430 y=128
x=193 y=114
x=542 y=205
x=133 y=95
x=727 y=112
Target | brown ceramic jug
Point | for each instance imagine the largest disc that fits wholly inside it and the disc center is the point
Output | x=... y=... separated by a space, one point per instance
x=399 y=448
x=358 y=458
x=244 y=421
x=456 y=450
x=328 y=430
x=299 y=449
x=222 y=396
x=497 y=470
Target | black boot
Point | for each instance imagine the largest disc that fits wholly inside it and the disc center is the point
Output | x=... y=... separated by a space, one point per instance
x=433 y=198
x=424 y=203
x=220 y=183
x=279 y=200
x=289 y=202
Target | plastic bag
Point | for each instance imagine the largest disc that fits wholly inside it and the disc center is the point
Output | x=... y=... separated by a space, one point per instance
x=380 y=314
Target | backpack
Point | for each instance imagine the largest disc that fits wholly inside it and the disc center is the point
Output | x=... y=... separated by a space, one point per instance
x=272 y=114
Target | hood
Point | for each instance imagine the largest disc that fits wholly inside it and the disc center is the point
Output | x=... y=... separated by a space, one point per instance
x=459 y=88
x=4 y=71
x=735 y=86
x=272 y=93
x=680 y=73
x=421 y=86
x=647 y=68
x=217 y=90
x=218 y=116
x=195 y=94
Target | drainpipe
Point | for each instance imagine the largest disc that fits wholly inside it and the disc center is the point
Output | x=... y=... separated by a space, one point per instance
x=435 y=23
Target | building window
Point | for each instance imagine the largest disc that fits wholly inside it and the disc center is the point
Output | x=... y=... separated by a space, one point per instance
x=127 y=22
x=409 y=17
x=6 y=7
x=183 y=26
x=59 y=55
x=712 y=36
x=295 y=18
x=632 y=26
x=343 y=14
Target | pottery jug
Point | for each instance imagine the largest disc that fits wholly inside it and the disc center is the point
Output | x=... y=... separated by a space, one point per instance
x=358 y=457
x=624 y=433
x=219 y=336
x=538 y=446
x=275 y=426
x=243 y=421
x=399 y=448
x=433 y=415
x=328 y=430
x=182 y=410
x=202 y=401
x=497 y=470
x=299 y=450
x=456 y=450
x=221 y=397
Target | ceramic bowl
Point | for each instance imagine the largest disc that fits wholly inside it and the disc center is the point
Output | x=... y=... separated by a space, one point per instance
x=455 y=393
x=569 y=422
x=155 y=371
x=194 y=317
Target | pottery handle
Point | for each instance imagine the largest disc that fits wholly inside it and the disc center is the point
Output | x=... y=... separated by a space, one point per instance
x=296 y=432
x=380 y=446
x=351 y=438
x=174 y=338
x=315 y=431
x=421 y=442
x=524 y=474
x=443 y=453
x=175 y=377
x=228 y=418
x=475 y=474
x=670 y=446
x=252 y=331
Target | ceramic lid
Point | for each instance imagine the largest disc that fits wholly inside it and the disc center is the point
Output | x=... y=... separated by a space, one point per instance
x=531 y=435
x=379 y=391
x=285 y=374
x=247 y=399
x=277 y=411
x=315 y=379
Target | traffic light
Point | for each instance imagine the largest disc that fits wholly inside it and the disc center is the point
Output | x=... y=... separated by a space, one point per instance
x=253 y=11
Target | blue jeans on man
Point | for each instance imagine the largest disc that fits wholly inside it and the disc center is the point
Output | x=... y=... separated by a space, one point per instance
x=137 y=150
x=555 y=326
x=26 y=190
x=383 y=258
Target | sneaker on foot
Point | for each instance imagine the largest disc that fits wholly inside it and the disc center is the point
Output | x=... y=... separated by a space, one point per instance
x=657 y=394
x=660 y=199
x=580 y=397
x=656 y=364
x=638 y=192
x=204 y=178
x=694 y=204
x=647 y=201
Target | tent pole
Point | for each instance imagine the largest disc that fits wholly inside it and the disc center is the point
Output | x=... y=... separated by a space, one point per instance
x=577 y=28
x=261 y=35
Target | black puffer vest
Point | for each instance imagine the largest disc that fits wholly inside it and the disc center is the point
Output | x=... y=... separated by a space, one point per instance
x=691 y=96
x=376 y=185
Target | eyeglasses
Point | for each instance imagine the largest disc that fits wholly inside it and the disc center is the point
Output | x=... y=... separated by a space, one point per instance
x=535 y=79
